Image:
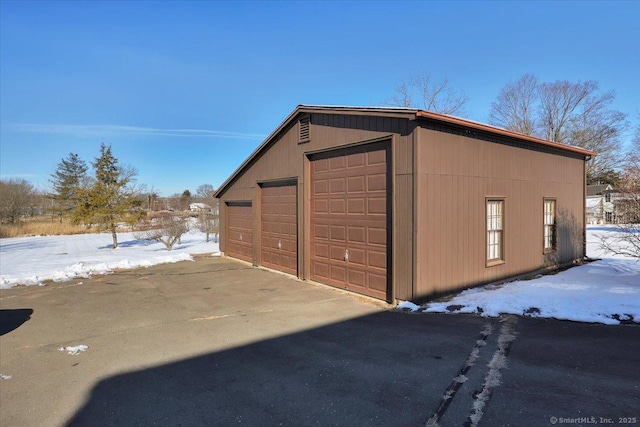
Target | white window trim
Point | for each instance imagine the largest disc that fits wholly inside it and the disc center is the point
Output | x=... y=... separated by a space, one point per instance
x=494 y=226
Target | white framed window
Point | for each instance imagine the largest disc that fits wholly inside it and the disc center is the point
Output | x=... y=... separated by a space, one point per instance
x=495 y=231
x=549 y=225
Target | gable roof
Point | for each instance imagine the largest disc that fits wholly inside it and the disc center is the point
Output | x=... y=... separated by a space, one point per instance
x=397 y=112
x=597 y=189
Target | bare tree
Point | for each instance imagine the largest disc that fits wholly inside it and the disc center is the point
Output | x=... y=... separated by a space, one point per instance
x=205 y=191
x=569 y=113
x=16 y=199
x=168 y=230
x=626 y=241
x=208 y=224
x=424 y=92
x=515 y=107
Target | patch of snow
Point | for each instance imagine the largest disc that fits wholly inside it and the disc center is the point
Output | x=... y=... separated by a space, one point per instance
x=605 y=291
x=74 y=350
x=33 y=260
x=408 y=305
x=495 y=365
x=593 y=202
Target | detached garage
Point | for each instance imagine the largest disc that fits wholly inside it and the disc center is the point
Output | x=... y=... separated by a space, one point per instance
x=403 y=203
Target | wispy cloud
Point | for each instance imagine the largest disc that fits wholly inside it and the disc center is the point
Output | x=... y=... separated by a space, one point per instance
x=102 y=130
x=17 y=175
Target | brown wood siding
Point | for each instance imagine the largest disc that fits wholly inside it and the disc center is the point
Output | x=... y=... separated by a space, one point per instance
x=279 y=235
x=285 y=159
x=239 y=232
x=455 y=176
x=349 y=230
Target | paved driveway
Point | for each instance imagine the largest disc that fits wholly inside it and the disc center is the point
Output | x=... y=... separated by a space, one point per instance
x=215 y=342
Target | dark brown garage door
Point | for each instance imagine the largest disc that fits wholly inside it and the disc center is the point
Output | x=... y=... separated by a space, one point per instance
x=239 y=230
x=349 y=220
x=279 y=228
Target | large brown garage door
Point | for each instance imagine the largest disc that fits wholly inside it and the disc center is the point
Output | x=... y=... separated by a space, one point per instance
x=239 y=231
x=280 y=228
x=349 y=219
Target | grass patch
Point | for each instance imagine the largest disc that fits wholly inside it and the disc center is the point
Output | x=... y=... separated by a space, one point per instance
x=42 y=226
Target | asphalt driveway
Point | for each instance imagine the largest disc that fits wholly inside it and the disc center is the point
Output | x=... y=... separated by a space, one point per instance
x=216 y=342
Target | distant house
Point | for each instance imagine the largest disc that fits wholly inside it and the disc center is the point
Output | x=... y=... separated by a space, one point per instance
x=200 y=208
x=600 y=204
x=403 y=204
x=606 y=205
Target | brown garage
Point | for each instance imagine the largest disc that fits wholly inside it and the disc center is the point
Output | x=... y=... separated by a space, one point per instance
x=403 y=203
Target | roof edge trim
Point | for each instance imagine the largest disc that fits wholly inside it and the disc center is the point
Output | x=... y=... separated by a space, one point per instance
x=504 y=132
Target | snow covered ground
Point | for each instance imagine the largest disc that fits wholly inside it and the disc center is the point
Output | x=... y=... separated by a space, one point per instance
x=32 y=260
x=605 y=291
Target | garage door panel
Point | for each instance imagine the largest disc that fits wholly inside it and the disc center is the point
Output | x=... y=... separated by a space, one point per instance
x=337 y=163
x=321 y=231
x=355 y=184
x=337 y=206
x=376 y=236
x=321 y=206
x=377 y=206
x=337 y=252
x=338 y=233
x=356 y=234
x=357 y=257
x=357 y=278
x=355 y=221
x=320 y=270
x=378 y=283
x=356 y=206
x=320 y=165
x=376 y=158
x=338 y=273
x=321 y=186
x=337 y=186
x=279 y=244
x=376 y=182
x=356 y=160
x=321 y=250
x=377 y=259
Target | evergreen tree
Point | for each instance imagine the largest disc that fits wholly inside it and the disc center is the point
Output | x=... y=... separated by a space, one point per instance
x=110 y=199
x=69 y=176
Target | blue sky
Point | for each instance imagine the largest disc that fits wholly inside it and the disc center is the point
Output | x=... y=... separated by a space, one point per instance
x=185 y=91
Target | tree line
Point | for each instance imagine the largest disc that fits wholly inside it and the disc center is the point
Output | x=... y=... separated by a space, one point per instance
x=105 y=199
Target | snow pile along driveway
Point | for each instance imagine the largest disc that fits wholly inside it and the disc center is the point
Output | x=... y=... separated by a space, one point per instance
x=605 y=291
